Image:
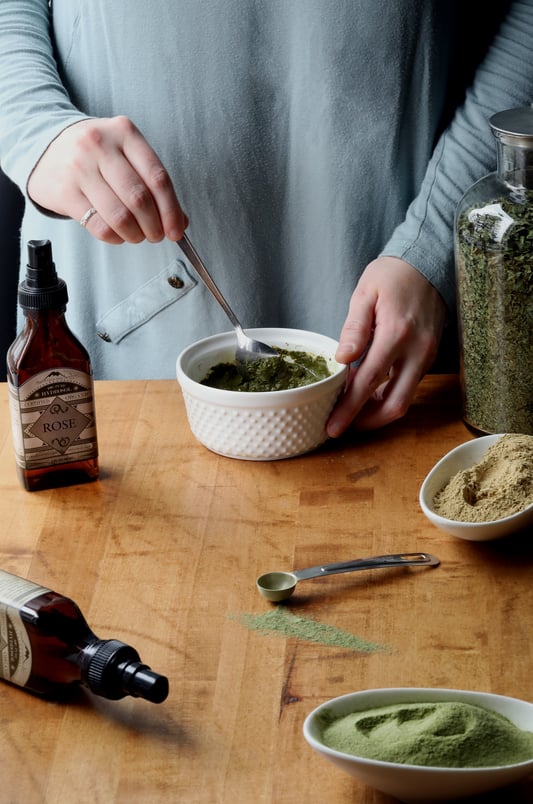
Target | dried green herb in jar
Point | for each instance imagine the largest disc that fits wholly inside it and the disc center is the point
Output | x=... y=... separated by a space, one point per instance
x=494 y=267
x=494 y=263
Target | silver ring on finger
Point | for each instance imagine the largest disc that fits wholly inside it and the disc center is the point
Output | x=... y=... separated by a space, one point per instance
x=86 y=217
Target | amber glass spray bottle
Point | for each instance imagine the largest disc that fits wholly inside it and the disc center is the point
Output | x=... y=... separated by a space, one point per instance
x=46 y=646
x=50 y=384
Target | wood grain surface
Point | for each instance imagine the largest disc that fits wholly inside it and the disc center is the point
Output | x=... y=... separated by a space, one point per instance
x=163 y=552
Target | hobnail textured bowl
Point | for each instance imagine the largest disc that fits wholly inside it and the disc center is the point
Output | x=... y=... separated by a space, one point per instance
x=258 y=426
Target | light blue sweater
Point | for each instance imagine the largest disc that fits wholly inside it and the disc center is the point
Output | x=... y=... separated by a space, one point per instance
x=304 y=138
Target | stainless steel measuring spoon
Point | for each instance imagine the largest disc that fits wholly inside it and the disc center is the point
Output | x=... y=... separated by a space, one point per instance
x=276 y=586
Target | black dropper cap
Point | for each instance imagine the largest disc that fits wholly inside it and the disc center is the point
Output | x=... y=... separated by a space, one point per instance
x=42 y=289
x=114 y=670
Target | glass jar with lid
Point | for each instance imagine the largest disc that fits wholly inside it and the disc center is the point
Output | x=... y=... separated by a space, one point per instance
x=494 y=275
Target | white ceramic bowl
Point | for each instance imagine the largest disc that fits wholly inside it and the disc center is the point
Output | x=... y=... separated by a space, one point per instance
x=462 y=457
x=415 y=783
x=258 y=426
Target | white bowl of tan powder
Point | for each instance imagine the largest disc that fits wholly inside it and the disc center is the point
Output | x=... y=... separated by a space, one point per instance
x=482 y=489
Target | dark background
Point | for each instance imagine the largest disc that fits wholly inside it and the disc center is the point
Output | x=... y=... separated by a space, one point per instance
x=11 y=209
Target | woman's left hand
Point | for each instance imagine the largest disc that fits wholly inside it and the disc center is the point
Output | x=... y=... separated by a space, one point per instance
x=394 y=326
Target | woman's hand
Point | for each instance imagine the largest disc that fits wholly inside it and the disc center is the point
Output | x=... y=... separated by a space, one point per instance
x=107 y=164
x=394 y=326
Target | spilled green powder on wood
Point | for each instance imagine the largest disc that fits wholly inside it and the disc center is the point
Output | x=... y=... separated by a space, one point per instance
x=281 y=622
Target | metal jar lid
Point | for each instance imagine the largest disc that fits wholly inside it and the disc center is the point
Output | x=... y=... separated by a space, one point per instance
x=514 y=126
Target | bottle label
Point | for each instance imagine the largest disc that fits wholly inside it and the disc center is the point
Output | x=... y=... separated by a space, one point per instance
x=15 y=645
x=53 y=419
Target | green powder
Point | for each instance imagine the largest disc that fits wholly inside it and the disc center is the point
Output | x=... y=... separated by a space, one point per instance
x=444 y=734
x=288 y=369
x=281 y=622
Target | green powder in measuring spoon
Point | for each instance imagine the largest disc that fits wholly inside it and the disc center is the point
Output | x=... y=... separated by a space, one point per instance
x=281 y=622
x=443 y=734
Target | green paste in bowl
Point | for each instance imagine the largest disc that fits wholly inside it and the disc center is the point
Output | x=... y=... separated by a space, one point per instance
x=287 y=369
x=443 y=734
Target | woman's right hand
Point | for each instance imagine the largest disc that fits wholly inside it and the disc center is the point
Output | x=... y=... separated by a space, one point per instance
x=107 y=164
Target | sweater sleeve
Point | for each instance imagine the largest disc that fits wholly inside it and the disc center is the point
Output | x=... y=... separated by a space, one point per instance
x=466 y=151
x=34 y=105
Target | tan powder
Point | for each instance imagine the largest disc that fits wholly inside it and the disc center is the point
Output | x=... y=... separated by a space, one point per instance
x=498 y=486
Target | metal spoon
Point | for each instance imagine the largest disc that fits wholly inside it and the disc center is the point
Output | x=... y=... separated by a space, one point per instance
x=276 y=586
x=247 y=348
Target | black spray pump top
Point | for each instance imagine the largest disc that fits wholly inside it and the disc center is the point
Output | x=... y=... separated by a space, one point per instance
x=113 y=669
x=42 y=289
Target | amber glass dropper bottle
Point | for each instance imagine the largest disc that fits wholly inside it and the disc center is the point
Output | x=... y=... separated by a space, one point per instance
x=50 y=384
x=46 y=646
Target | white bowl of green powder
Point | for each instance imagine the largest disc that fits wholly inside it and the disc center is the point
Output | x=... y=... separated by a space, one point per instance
x=237 y=419
x=425 y=744
x=482 y=489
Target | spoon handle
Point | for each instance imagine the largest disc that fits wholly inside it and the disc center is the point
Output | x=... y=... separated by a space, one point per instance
x=376 y=562
x=192 y=255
